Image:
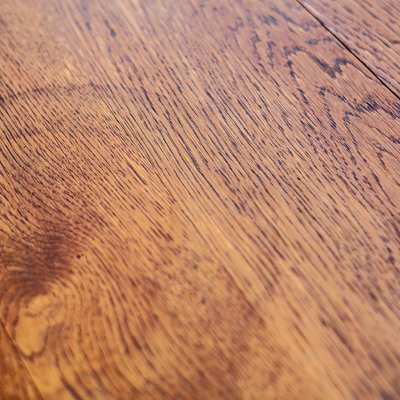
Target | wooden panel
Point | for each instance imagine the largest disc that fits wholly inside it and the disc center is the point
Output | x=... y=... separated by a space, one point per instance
x=371 y=29
x=199 y=201
x=15 y=381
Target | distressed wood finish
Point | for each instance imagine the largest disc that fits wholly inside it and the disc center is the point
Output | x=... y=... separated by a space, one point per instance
x=370 y=29
x=199 y=200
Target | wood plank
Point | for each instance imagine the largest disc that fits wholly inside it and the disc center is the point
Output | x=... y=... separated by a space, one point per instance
x=199 y=201
x=370 y=29
x=15 y=381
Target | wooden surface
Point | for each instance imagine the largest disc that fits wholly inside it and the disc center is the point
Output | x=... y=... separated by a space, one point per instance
x=15 y=381
x=199 y=200
x=369 y=28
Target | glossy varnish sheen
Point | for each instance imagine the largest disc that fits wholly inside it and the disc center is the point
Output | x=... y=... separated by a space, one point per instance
x=199 y=200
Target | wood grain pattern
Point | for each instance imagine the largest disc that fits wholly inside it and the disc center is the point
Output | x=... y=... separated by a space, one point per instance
x=369 y=28
x=199 y=201
x=15 y=381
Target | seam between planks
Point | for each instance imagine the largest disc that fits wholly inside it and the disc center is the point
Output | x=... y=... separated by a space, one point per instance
x=347 y=47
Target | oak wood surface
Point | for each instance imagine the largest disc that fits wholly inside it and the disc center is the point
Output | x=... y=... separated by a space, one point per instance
x=15 y=381
x=199 y=200
x=369 y=28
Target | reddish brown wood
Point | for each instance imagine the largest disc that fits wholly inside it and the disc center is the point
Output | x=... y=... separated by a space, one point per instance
x=15 y=381
x=369 y=28
x=199 y=200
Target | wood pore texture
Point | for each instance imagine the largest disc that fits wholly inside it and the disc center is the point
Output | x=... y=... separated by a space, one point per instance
x=199 y=199
x=369 y=28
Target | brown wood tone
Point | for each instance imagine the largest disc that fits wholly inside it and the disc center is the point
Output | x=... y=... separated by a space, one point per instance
x=199 y=200
x=369 y=28
x=15 y=381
